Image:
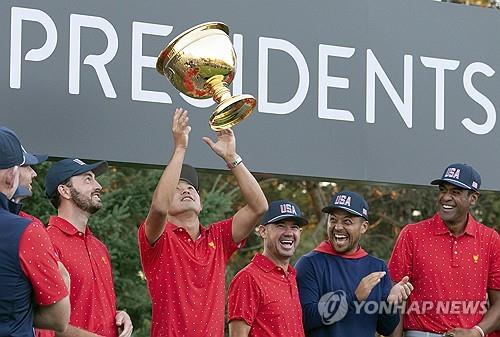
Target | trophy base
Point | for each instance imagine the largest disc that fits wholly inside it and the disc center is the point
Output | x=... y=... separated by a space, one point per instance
x=232 y=111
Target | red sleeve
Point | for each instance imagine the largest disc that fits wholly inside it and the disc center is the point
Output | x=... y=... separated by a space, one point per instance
x=149 y=252
x=30 y=217
x=244 y=298
x=224 y=230
x=494 y=273
x=39 y=264
x=400 y=263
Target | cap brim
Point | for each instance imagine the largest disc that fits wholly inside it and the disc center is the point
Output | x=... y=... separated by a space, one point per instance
x=453 y=182
x=34 y=159
x=189 y=182
x=98 y=168
x=330 y=208
x=299 y=220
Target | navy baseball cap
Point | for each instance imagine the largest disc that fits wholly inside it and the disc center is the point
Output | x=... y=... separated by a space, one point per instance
x=33 y=159
x=283 y=210
x=11 y=152
x=460 y=175
x=67 y=168
x=189 y=175
x=351 y=202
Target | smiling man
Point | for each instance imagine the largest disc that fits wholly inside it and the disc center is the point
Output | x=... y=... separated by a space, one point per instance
x=184 y=261
x=453 y=261
x=343 y=290
x=74 y=191
x=263 y=296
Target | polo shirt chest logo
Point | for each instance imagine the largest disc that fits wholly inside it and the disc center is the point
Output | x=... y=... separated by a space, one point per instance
x=211 y=244
x=475 y=258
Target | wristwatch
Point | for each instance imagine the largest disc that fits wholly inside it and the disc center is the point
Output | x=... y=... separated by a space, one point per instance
x=235 y=162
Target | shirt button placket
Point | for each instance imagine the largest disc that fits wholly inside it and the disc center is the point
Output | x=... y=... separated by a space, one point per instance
x=454 y=253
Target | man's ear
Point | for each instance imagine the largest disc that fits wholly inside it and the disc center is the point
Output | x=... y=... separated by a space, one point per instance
x=262 y=231
x=64 y=192
x=364 y=226
x=473 y=198
x=11 y=177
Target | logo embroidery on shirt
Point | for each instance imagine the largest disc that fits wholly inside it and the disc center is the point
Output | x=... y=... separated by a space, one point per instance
x=476 y=258
x=211 y=244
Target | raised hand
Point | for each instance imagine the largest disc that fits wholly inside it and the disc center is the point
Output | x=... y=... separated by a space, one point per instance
x=367 y=284
x=225 y=147
x=181 y=128
x=400 y=291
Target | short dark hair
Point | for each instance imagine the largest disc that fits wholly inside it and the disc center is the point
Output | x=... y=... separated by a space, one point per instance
x=470 y=192
x=55 y=199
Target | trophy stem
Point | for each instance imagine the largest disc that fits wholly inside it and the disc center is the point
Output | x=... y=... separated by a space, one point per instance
x=218 y=89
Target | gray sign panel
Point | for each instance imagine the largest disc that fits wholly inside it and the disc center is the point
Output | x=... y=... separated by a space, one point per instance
x=386 y=90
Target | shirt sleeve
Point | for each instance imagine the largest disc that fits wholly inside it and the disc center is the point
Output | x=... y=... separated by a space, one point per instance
x=388 y=319
x=401 y=261
x=149 y=252
x=39 y=264
x=494 y=273
x=244 y=298
x=224 y=230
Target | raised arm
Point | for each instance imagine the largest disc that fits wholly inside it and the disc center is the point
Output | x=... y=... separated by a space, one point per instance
x=165 y=190
x=246 y=218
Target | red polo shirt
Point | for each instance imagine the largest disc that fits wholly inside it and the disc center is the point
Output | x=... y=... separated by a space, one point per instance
x=30 y=217
x=186 y=279
x=38 y=332
x=450 y=274
x=92 y=293
x=39 y=264
x=267 y=299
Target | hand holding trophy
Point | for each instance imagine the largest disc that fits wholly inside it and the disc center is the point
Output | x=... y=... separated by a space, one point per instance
x=200 y=63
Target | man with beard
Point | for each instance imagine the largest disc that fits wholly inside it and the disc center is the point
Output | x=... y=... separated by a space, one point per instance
x=184 y=261
x=73 y=190
x=453 y=261
x=343 y=290
x=263 y=296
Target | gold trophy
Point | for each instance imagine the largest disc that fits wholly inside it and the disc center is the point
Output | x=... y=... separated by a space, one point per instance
x=201 y=63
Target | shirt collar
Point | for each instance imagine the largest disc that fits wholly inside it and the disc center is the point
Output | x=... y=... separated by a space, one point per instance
x=65 y=226
x=440 y=227
x=9 y=205
x=175 y=228
x=265 y=263
x=327 y=248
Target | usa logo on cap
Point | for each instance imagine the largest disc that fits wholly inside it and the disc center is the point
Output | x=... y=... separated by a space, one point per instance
x=460 y=175
x=281 y=210
x=288 y=209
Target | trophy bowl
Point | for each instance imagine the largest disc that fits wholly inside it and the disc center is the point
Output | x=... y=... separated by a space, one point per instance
x=201 y=63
